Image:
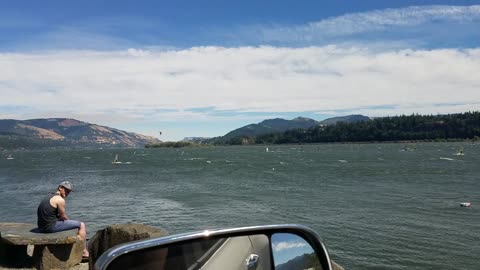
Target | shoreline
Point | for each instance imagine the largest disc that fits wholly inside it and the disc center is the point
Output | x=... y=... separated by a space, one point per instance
x=471 y=141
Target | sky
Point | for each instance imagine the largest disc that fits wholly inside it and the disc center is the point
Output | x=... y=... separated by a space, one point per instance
x=204 y=68
x=287 y=246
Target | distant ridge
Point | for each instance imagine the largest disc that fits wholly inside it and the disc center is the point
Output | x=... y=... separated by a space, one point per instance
x=66 y=132
x=195 y=139
x=277 y=125
x=450 y=127
x=271 y=126
x=346 y=119
x=305 y=261
x=358 y=128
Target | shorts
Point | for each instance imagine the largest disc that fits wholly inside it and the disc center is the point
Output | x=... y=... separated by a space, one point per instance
x=64 y=225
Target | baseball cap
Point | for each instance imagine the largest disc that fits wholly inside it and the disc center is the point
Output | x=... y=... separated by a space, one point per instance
x=67 y=185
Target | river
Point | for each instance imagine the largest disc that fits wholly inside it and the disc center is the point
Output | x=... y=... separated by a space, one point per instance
x=376 y=206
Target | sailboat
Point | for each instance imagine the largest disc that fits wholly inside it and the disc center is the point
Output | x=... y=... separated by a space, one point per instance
x=459 y=153
x=116 y=161
x=10 y=157
x=465 y=204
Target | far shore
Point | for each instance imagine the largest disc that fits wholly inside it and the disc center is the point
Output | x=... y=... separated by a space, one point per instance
x=259 y=144
x=360 y=142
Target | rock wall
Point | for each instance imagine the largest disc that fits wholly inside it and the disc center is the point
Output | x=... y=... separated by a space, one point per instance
x=118 y=234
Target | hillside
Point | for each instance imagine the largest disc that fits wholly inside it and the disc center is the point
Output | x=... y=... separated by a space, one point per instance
x=195 y=139
x=64 y=132
x=346 y=119
x=271 y=126
x=397 y=128
x=279 y=125
x=305 y=261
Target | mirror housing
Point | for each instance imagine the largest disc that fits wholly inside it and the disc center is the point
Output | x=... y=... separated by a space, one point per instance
x=248 y=248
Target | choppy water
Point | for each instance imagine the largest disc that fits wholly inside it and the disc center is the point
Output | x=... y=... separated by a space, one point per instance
x=375 y=205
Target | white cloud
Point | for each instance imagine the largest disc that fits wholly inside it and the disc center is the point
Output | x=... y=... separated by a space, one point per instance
x=136 y=52
x=147 y=85
x=377 y=20
x=288 y=245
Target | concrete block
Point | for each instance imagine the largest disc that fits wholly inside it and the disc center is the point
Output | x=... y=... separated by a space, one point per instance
x=58 y=256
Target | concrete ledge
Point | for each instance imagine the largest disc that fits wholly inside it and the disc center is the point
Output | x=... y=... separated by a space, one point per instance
x=59 y=250
x=28 y=234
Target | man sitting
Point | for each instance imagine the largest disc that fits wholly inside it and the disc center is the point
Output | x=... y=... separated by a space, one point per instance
x=51 y=216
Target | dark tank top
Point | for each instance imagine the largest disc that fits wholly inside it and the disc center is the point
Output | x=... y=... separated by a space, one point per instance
x=47 y=215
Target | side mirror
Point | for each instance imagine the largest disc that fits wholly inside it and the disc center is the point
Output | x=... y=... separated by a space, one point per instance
x=278 y=247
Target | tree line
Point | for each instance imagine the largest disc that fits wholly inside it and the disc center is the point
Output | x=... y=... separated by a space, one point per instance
x=413 y=127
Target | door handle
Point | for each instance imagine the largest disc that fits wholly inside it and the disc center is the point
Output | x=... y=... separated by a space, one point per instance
x=252 y=261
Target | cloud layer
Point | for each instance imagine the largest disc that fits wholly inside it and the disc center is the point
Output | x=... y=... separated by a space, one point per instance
x=327 y=79
x=281 y=246
x=414 y=24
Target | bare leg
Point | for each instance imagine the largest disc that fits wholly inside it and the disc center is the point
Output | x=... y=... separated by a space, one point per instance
x=82 y=233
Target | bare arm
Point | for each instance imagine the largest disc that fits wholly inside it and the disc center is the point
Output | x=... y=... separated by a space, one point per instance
x=61 y=209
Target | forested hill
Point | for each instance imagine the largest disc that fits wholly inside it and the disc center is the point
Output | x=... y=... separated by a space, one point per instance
x=271 y=126
x=278 y=125
x=305 y=261
x=398 y=128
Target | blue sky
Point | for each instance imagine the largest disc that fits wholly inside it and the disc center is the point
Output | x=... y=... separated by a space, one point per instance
x=286 y=247
x=204 y=68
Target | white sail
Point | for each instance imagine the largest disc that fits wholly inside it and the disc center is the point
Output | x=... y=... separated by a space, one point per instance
x=116 y=161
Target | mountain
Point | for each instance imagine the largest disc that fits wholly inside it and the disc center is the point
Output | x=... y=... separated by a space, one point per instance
x=346 y=119
x=279 y=125
x=195 y=139
x=305 y=261
x=68 y=133
x=271 y=126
